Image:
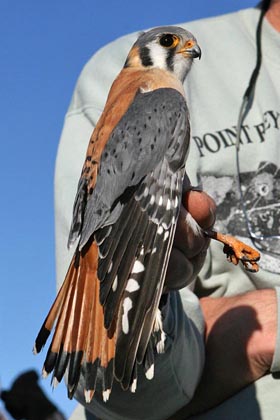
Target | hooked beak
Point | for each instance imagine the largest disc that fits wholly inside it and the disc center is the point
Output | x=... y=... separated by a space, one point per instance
x=191 y=49
x=195 y=52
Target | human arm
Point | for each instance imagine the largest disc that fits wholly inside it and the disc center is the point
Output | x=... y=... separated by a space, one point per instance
x=240 y=330
x=240 y=335
x=189 y=250
x=240 y=339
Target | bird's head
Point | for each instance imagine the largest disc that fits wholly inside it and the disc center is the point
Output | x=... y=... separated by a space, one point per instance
x=169 y=48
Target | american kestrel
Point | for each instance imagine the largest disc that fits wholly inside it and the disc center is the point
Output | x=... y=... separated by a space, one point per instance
x=107 y=311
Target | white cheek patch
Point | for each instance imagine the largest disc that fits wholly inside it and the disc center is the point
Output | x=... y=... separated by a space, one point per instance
x=158 y=55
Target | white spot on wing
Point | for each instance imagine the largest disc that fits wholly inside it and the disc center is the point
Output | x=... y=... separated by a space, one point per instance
x=115 y=284
x=88 y=396
x=110 y=267
x=160 y=344
x=106 y=395
x=150 y=372
x=152 y=199
x=160 y=201
x=133 y=386
x=175 y=203
x=159 y=327
x=166 y=235
x=132 y=286
x=158 y=321
x=160 y=230
x=146 y=192
x=138 y=267
x=168 y=204
x=127 y=305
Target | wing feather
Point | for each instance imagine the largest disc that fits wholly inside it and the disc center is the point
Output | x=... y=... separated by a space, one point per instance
x=107 y=307
x=154 y=125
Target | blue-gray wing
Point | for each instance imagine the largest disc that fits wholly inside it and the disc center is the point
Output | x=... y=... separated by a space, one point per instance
x=155 y=125
x=132 y=214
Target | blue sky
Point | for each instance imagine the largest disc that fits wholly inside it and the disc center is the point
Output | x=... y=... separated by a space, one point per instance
x=43 y=47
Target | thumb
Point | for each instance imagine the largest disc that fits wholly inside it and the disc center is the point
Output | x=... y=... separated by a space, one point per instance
x=201 y=206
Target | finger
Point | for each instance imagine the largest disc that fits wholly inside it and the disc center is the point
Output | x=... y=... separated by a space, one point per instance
x=179 y=272
x=189 y=250
x=185 y=240
x=201 y=206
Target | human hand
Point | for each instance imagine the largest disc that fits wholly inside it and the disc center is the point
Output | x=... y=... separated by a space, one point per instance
x=189 y=250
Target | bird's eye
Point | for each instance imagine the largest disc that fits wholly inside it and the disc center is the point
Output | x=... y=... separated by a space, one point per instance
x=169 y=40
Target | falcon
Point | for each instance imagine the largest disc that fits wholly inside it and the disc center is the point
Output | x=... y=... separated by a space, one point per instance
x=106 y=316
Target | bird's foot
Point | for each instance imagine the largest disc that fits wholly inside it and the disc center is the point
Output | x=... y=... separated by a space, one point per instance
x=236 y=250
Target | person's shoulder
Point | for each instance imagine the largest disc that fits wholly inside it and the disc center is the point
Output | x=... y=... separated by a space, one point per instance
x=220 y=23
x=115 y=51
x=102 y=68
x=221 y=37
x=99 y=72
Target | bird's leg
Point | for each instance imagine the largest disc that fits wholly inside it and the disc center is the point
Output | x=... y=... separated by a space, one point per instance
x=236 y=250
